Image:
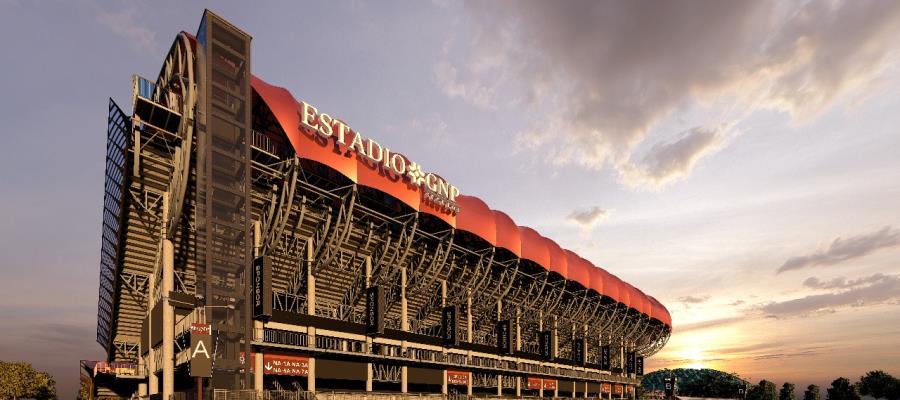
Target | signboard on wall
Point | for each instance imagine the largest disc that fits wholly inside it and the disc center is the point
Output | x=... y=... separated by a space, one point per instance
x=639 y=365
x=548 y=384
x=450 y=326
x=606 y=387
x=285 y=365
x=375 y=311
x=460 y=378
x=534 y=383
x=261 y=288
x=200 y=364
x=503 y=337
x=629 y=362
x=618 y=389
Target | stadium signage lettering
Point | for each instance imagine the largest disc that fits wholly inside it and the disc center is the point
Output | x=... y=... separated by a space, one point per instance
x=436 y=189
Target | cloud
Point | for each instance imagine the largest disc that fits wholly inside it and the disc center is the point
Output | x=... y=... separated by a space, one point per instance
x=588 y=218
x=126 y=24
x=845 y=249
x=885 y=289
x=843 y=283
x=713 y=323
x=447 y=78
x=693 y=299
x=608 y=73
x=736 y=303
x=668 y=161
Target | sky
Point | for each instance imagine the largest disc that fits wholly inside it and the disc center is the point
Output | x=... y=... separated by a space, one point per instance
x=739 y=161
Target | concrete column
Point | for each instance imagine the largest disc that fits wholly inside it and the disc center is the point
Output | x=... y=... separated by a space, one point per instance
x=518 y=331
x=311 y=310
x=469 y=335
x=404 y=326
x=311 y=378
x=168 y=311
x=469 y=316
x=142 y=389
x=152 y=380
x=444 y=388
x=518 y=386
x=257 y=325
x=370 y=373
x=555 y=345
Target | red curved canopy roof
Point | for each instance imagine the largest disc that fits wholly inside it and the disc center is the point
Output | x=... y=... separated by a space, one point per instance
x=559 y=263
x=578 y=269
x=597 y=278
x=534 y=247
x=474 y=216
x=508 y=235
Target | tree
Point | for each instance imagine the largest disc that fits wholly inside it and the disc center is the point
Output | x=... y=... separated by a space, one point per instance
x=21 y=380
x=879 y=385
x=85 y=392
x=787 y=392
x=765 y=390
x=842 y=389
x=811 y=393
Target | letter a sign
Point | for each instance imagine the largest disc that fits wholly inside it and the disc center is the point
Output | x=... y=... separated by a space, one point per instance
x=201 y=357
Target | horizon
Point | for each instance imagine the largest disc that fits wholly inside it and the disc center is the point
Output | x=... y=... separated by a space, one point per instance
x=737 y=161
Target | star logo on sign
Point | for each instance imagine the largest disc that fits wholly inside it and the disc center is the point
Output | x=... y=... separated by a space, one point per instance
x=415 y=174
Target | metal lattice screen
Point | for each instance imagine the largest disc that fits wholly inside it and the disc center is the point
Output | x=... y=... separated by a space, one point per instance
x=117 y=144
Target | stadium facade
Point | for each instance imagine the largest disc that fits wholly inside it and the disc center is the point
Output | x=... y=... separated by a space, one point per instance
x=255 y=244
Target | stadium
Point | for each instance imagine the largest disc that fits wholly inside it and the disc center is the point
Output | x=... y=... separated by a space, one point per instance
x=254 y=246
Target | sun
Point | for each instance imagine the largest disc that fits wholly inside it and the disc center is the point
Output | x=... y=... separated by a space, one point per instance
x=695 y=358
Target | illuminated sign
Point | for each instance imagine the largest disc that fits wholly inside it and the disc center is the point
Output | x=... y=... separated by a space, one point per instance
x=534 y=383
x=458 y=378
x=436 y=190
x=281 y=364
x=549 y=384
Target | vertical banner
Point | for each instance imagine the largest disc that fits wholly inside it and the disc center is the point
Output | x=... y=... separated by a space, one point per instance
x=629 y=362
x=604 y=358
x=546 y=344
x=503 y=337
x=375 y=311
x=450 y=326
x=669 y=386
x=201 y=351
x=261 y=288
x=578 y=351
x=639 y=365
